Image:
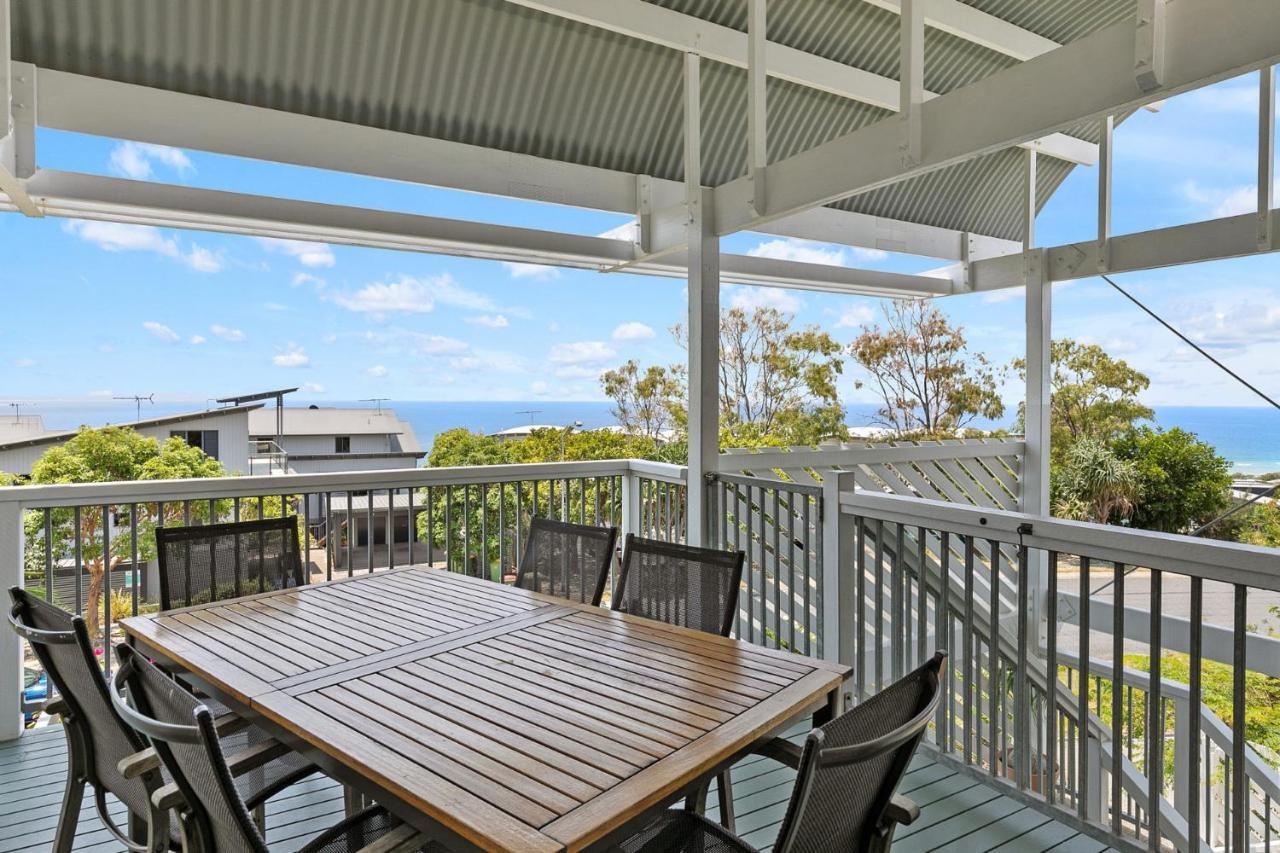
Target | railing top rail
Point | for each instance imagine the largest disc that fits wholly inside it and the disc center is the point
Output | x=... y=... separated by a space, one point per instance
x=1228 y=562
x=762 y=483
x=149 y=491
x=665 y=471
x=866 y=454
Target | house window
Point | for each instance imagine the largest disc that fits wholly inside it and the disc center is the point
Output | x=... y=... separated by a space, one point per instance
x=205 y=439
x=342 y=444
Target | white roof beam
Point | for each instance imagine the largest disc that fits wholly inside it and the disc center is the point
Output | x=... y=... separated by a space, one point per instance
x=1205 y=41
x=81 y=196
x=970 y=24
x=647 y=22
x=91 y=105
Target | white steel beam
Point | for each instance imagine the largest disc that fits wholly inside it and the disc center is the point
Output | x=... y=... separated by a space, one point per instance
x=757 y=115
x=648 y=22
x=703 y=317
x=1266 y=152
x=1148 y=45
x=10 y=184
x=1034 y=494
x=911 y=79
x=1105 y=160
x=971 y=24
x=73 y=195
x=1205 y=41
x=124 y=111
x=1215 y=239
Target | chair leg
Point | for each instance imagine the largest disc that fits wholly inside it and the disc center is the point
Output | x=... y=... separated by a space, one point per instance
x=352 y=800
x=724 y=792
x=69 y=818
x=260 y=817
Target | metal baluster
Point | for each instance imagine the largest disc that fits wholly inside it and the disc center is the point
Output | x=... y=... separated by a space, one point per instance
x=1082 y=706
x=391 y=528
x=412 y=522
x=922 y=600
x=813 y=557
x=466 y=528
x=1239 y=789
x=897 y=630
x=993 y=658
x=79 y=563
x=1155 y=722
x=795 y=568
x=970 y=695
x=1053 y=732
x=502 y=530
x=942 y=640
x=751 y=568
x=519 y=515
x=777 y=572
x=448 y=528
x=1191 y=750
x=1022 y=679
x=369 y=496
x=48 y=556
x=1117 y=693
x=106 y=588
x=877 y=612
x=133 y=546
x=860 y=612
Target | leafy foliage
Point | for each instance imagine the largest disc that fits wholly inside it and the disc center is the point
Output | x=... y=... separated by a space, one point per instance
x=920 y=366
x=648 y=402
x=1182 y=482
x=1094 y=484
x=1257 y=525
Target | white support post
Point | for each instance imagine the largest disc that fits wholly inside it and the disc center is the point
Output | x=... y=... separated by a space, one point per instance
x=911 y=81
x=1106 y=132
x=839 y=564
x=630 y=506
x=1266 y=152
x=704 y=313
x=757 y=115
x=11 y=547
x=1034 y=495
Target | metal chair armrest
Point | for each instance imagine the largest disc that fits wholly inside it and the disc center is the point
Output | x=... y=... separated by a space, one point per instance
x=139 y=763
x=901 y=810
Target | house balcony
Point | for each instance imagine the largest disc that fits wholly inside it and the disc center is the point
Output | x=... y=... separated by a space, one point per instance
x=1060 y=726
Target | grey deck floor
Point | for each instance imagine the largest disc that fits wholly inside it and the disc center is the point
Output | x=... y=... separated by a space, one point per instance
x=959 y=814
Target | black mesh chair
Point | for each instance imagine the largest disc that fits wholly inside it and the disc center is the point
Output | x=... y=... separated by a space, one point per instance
x=683 y=585
x=207 y=781
x=105 y=753
x=211 y=562
x=567 y=560
x=848 y=771
x=679 y=584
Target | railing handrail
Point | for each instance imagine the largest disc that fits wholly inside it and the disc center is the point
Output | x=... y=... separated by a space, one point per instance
x=761 y=483
x=738 y=459
x=1228 y=562
x=150 y=491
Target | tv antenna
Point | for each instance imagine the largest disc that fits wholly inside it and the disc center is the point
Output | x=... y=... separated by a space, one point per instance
x=377 y=401
x=530 y=413
x=138 y=400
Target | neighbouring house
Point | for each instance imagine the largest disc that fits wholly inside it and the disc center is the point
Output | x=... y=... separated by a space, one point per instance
x=221 y=433
x=316 y=439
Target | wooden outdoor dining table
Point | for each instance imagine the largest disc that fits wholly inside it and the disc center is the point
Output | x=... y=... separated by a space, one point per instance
x=508 y=719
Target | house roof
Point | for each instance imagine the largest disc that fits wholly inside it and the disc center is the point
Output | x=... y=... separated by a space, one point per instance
x=563 y=90
x=334 y=421
x=63 y=435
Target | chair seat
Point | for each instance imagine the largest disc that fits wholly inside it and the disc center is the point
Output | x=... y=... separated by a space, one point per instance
x=679 y=831
x=359 y=831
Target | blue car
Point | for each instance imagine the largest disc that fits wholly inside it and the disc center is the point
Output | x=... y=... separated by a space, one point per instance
x=35 y=689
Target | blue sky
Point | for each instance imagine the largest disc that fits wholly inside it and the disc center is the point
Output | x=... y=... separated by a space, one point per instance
x=96 y=309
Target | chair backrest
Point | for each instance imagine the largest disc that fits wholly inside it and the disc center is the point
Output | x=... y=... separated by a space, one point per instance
x=61 y=643
x=679 y=584
x=851 y=766
x=567 y=560
x=180 y=728
x=211 y=562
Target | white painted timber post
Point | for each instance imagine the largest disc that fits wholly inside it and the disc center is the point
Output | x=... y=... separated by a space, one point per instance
x=704 y=314
x=839 y=566
x=1034 y=495
x=630 y=505
x=11 y=561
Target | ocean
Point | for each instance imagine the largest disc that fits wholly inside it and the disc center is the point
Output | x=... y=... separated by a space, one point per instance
x=1249 y=437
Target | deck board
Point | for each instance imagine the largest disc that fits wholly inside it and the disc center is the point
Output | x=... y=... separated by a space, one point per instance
x=959 y=814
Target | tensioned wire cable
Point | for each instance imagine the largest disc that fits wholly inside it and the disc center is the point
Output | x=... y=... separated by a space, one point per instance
x=1236 y=376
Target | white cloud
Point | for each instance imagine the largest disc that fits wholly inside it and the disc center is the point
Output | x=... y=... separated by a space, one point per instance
x=135 y=159
x=490 y=321
x=1233 y=325
x=577 y=371
x=161 y=332
x=196 y=340
x=293 y=356
x=582 y=352
x=24 y=362
x=1224 y=201
x=307 y=253
x=538 y=272
x=749 y=298
x=856 y=317
x=633 y=332
x=1230 y=97
x=378 y=371
x=538 y=387
x=227 y=334
x=437 y=345
x=488 y=361
x=301 y=278
x=124 y=237
x=813 y=252
x=313 y=388
x=201 y=259
x=411 y=295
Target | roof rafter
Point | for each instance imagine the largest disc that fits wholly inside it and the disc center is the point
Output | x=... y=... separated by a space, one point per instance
x=81 y=104
x=647 y=22
x=1205 y=41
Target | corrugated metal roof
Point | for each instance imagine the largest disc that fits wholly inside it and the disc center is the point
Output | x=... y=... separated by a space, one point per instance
x=494 y=74
x=325 y=421
x=165 y=420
